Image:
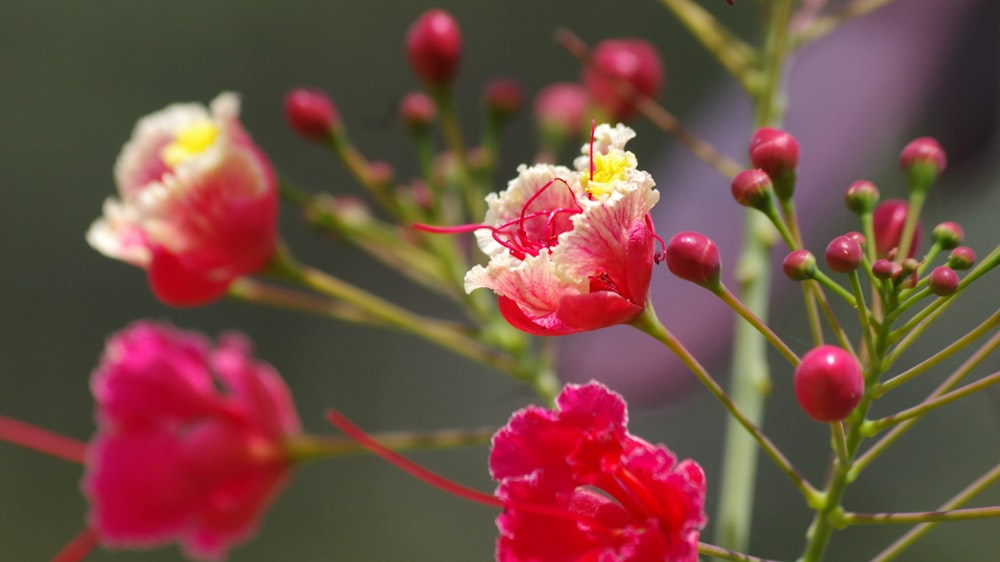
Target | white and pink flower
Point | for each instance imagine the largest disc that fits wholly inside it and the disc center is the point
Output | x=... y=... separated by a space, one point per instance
x=571 y=250
x=197 y=202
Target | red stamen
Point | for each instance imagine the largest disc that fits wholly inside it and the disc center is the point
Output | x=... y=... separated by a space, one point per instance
x=593 y=127
x=42 y=440
x=658 y=257
x=79 y=548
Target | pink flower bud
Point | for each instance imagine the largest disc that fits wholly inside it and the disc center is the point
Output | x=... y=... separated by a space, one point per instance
x=197 y=206
x=619 y=71
x=885 y=269
x=861 y=196
x=948 y=235
x=434 y=47
x=843 y=254
x=888 y=220
x=962 y=258
x=503 y=97
x=311 y=114
x=943 y=281
x=559 y=109
x=857 y=237
x=799 y=265
x=190 y=442
x=417 y=111
x=694 y=257
x=777 y=153
x=828 y=383
x=922 y=160
x=752 y=188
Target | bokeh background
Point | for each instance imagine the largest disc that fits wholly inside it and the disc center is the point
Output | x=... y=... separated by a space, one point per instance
x=74 y=77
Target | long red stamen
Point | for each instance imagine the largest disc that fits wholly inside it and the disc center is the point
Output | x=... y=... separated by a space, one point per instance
x=657 y=256
x=42 y=440
x=440 y=482
x=79 y=548
x=593 y=128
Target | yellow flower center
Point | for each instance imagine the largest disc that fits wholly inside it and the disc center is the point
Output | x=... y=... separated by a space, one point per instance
x=608 y=168
x=189 y=141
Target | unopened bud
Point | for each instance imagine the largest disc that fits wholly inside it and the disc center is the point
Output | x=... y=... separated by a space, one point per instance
x=843 y=254
x=559 y=110
x=800 y=265
x=503 y=98
x=885 y=269
x=962 y=258
x=777 y=153
x=861 y=197
x=694 y=257
x=828 y=383
x=948 y=235
x=434 y=47
x=943 y=281
x=922 y=160
x=417 y=111
x=311 y=114
x=888 y=220
x=619 y=71
x=752 y=188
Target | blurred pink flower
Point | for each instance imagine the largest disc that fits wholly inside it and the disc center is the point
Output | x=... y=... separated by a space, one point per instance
x=571 y=250
x=197 y=202
x=189 y=445
x=621 y=497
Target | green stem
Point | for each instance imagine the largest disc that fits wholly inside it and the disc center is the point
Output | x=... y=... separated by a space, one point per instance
x=725 y=554
x=730 y=299
x=992 y=512
x=971 y=491
x=934 y=403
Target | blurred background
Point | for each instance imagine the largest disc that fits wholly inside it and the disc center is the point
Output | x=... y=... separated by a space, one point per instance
x=75 y=76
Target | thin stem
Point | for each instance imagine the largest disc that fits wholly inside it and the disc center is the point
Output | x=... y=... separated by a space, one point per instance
x=825 y=24
x=863 y=318
x=970 y=491
x=42 y=440
x=726 y=554
x=991 y=512
x=839 y=440
x=730 y=299
x=308 y=447
x=825 y=280
x=79 y=548
x=648 y=323
x=474 y=199
x=934 y=403
x=656 y=113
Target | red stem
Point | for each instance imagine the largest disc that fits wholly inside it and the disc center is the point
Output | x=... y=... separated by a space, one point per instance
x=42 y=440
x=79 y=548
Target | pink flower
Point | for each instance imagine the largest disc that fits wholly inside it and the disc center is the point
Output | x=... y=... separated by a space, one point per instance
x=578 y=487
x=197 y=202
x=189 y=445
x=571 y=250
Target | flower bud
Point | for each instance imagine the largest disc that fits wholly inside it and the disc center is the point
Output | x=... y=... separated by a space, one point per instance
x=694 y=257
x=908 y=273
x=962 y=258
x=948 y=235
x=380 y=173
x=752 y=188
x=311 y=114
x=861 y=197
x=885 y=269
x=417 y=111
x=434 y=47
x=559 y=109
x=843 y=254
x=888 y=220
x=777 y=153
x=857 y=237
x=800 y=265
x=503 y=98
x=922 y=160
x=828 y=383
x=620 y=71
x=943 y=281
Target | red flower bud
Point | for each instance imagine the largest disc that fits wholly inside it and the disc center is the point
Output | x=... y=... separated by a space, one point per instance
x=777 y=153
x=948 y=235
x=752 y=188
x=843 y=254
x=828 y=383
x=417 y=111
x=961 y=258
x=503 y=97
x=559 y=109
x=922 y=160
x=861 y=196
x=885 y=269
x=694 y=257
x=311 y=114
x=943 y=281
x=888 y=220
x=619 y=71
x=800 y=265
x=434 y=47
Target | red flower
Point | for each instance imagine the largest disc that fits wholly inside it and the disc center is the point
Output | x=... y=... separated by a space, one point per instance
x=189 y=445
x=197 y=206
x=613 y=496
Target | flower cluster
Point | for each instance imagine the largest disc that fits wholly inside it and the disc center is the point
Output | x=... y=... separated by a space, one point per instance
x=571 y=250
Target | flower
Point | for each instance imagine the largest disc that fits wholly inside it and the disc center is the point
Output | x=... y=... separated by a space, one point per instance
x=189 y=444
x=571 y=250
x=197 y=203
x=607 y=494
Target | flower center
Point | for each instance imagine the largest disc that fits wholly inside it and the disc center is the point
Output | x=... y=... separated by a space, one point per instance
x=606 y=169
x=538 y=229
x=190 y=141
